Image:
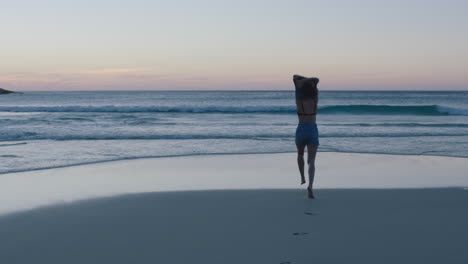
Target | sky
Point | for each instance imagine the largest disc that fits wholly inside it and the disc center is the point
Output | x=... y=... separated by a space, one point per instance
x=233 y=45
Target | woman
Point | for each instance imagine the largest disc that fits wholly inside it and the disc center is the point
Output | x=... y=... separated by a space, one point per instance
x=306 y=132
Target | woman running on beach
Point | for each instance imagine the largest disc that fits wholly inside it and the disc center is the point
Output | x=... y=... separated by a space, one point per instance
x=306 y=132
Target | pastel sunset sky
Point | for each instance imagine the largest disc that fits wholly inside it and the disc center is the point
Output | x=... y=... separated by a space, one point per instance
x=168 y=45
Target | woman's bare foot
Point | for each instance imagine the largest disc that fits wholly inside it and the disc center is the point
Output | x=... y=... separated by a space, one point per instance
x=303 y=181
x=310 y=194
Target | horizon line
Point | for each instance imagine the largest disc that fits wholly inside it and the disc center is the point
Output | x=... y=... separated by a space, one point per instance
x=246 y=90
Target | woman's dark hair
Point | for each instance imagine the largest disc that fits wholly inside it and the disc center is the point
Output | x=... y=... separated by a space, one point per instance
x=308 y=90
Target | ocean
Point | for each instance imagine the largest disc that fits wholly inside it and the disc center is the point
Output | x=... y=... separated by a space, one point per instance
x=55 y=129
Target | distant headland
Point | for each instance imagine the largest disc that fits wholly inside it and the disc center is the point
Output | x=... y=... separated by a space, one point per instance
x=4 y=91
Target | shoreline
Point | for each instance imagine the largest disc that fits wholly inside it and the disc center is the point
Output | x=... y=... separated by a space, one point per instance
x=27 y=190
x=218 y=154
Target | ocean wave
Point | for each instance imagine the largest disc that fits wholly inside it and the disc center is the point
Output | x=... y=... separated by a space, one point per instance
x=151 y=109
x=430 y=110
x=141 y=137
x=277 y=136
x=13 y=144
x=434 y=110
x=441 y=125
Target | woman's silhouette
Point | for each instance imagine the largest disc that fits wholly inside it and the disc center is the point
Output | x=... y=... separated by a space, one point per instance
x=306 y=132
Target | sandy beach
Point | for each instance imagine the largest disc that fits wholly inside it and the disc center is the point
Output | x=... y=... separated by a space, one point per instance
x=238 y=209
x=249 y=226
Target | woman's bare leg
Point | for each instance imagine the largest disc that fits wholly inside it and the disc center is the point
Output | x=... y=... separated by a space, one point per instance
x=311 y=153
x=300 y=161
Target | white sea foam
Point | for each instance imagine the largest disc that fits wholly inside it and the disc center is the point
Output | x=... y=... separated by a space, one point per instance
x=328 y=109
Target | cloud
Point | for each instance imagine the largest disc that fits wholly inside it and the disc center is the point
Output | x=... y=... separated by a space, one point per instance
x=113 y=71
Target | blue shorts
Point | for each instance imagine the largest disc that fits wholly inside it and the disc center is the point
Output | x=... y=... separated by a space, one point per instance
x=307 y=134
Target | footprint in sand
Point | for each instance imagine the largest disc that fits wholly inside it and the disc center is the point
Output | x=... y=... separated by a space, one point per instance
x=300 y=233
x=311 y=213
